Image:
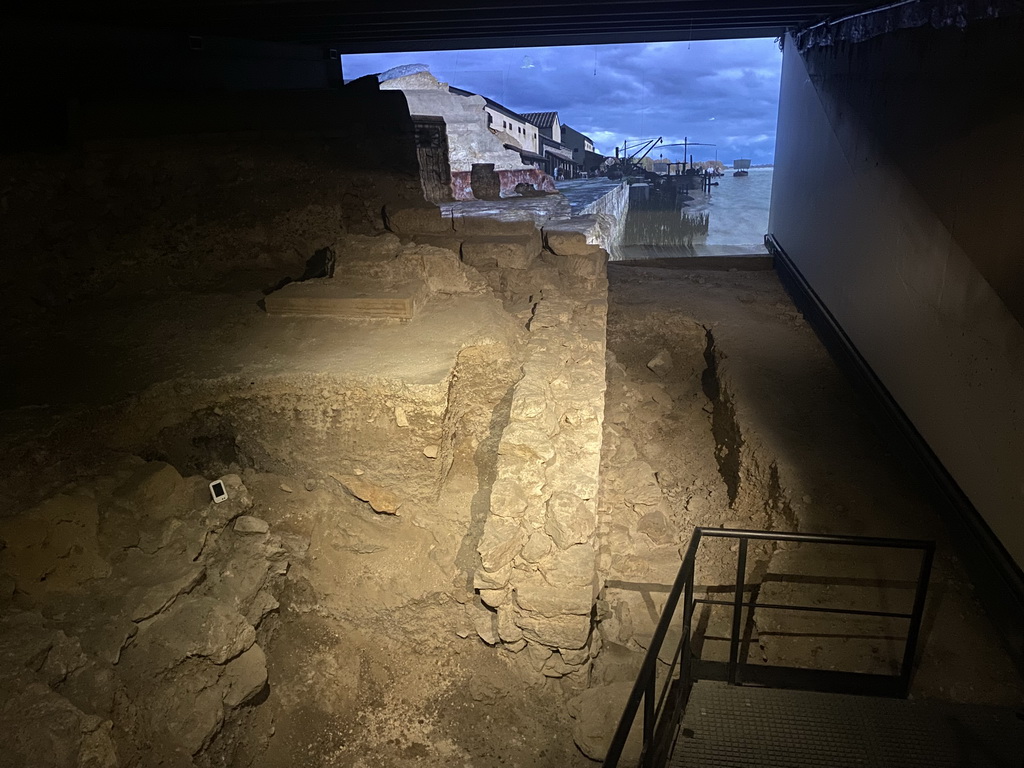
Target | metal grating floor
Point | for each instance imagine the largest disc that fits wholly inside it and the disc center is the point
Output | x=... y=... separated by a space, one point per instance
x=735 y=727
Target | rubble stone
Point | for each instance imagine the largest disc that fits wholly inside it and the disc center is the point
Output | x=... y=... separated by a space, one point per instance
x=380 y=499
x=505 y=251
x=245 y=676
x=568 y=520
x=417 y=221
x=200 y=627
x=250 y=524
x=501 y=541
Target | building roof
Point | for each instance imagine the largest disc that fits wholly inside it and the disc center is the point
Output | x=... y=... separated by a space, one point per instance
x=490 y=103
x=570 y=129
x=526 y=154
x=541 y=119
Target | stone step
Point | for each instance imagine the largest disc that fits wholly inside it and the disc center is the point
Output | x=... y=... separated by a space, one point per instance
x=764 y=728
x=332 y=298
x=506 y=251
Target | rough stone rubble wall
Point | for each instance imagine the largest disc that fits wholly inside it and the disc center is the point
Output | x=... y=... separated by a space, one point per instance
x=538 y=550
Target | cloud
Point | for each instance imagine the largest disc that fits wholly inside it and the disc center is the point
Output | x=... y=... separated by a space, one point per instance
x=720 y=92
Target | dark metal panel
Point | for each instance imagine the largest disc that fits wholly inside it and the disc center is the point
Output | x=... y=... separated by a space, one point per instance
x=410 y=25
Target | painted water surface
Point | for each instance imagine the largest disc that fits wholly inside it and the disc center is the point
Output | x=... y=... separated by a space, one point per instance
x=732 y=218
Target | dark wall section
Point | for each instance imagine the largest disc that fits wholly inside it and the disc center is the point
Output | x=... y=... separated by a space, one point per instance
x=45 y=71
x=945 y=107
x=895 y=204
x=141 y=164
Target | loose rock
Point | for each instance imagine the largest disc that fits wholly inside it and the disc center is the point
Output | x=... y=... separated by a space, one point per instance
x=250 y=524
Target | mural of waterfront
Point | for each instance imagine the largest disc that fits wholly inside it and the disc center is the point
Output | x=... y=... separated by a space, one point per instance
x=731 y=220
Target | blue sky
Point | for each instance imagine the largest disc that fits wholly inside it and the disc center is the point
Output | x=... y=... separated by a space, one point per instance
x=722 y=92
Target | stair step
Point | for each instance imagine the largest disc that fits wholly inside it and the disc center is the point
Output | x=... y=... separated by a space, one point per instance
x=334 y=298
x=735 y=727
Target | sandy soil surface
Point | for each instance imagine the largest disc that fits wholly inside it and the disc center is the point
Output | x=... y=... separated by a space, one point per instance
x=776 y=439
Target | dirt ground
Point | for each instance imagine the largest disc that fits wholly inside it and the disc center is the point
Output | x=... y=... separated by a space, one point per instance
x=774 y=438
x=359 y=642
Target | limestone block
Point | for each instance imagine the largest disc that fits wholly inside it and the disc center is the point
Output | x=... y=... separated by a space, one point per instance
x=576 y=658
x=493 y=597
x=445 y=273
x=508 y=630
x=198 y=627
x=244 y=677
x=485 y=622
x=535 y=595
x=584 y=485
x=361 y=248
x=505 y=251
x=590 y=267
x=444 y=242
x=661 y=363
x=529 y=284
x=501 y=542
x=492 y=580
x=555 y=666
x=508 y=498
x=568 y=243
x=417 y=221
x=250 y=524
x=565 y=631
x=569 y=521
x=189 y=718
x=526 y=442
x=482 y=226
x=597 y=711
x=583 y=415
x=150 y=487
x=529 y=476
x=530 y=400
x=572 y=567
x=537 y=547
x=655 y=526
x=538 y=655
x=380 y=499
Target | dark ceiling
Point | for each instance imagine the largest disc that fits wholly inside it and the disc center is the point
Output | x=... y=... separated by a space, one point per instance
x=396 y=25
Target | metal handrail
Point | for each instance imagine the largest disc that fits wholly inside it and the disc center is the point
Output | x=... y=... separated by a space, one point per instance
x=661 y=716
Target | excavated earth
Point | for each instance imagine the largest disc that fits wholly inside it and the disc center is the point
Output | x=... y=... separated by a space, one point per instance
x=724 y=410
x=325 y=614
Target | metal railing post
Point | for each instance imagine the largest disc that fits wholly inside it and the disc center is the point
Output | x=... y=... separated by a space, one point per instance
x=737 y=611
x=914 y=631
x=648 y=748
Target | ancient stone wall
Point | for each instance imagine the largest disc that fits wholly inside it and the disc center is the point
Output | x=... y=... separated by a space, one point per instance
x=538 y=550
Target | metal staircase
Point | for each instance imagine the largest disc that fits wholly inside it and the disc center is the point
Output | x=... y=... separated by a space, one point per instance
x=697 y=712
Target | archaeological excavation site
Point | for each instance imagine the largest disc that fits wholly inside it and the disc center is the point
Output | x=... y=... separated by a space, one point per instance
x=336 y=433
